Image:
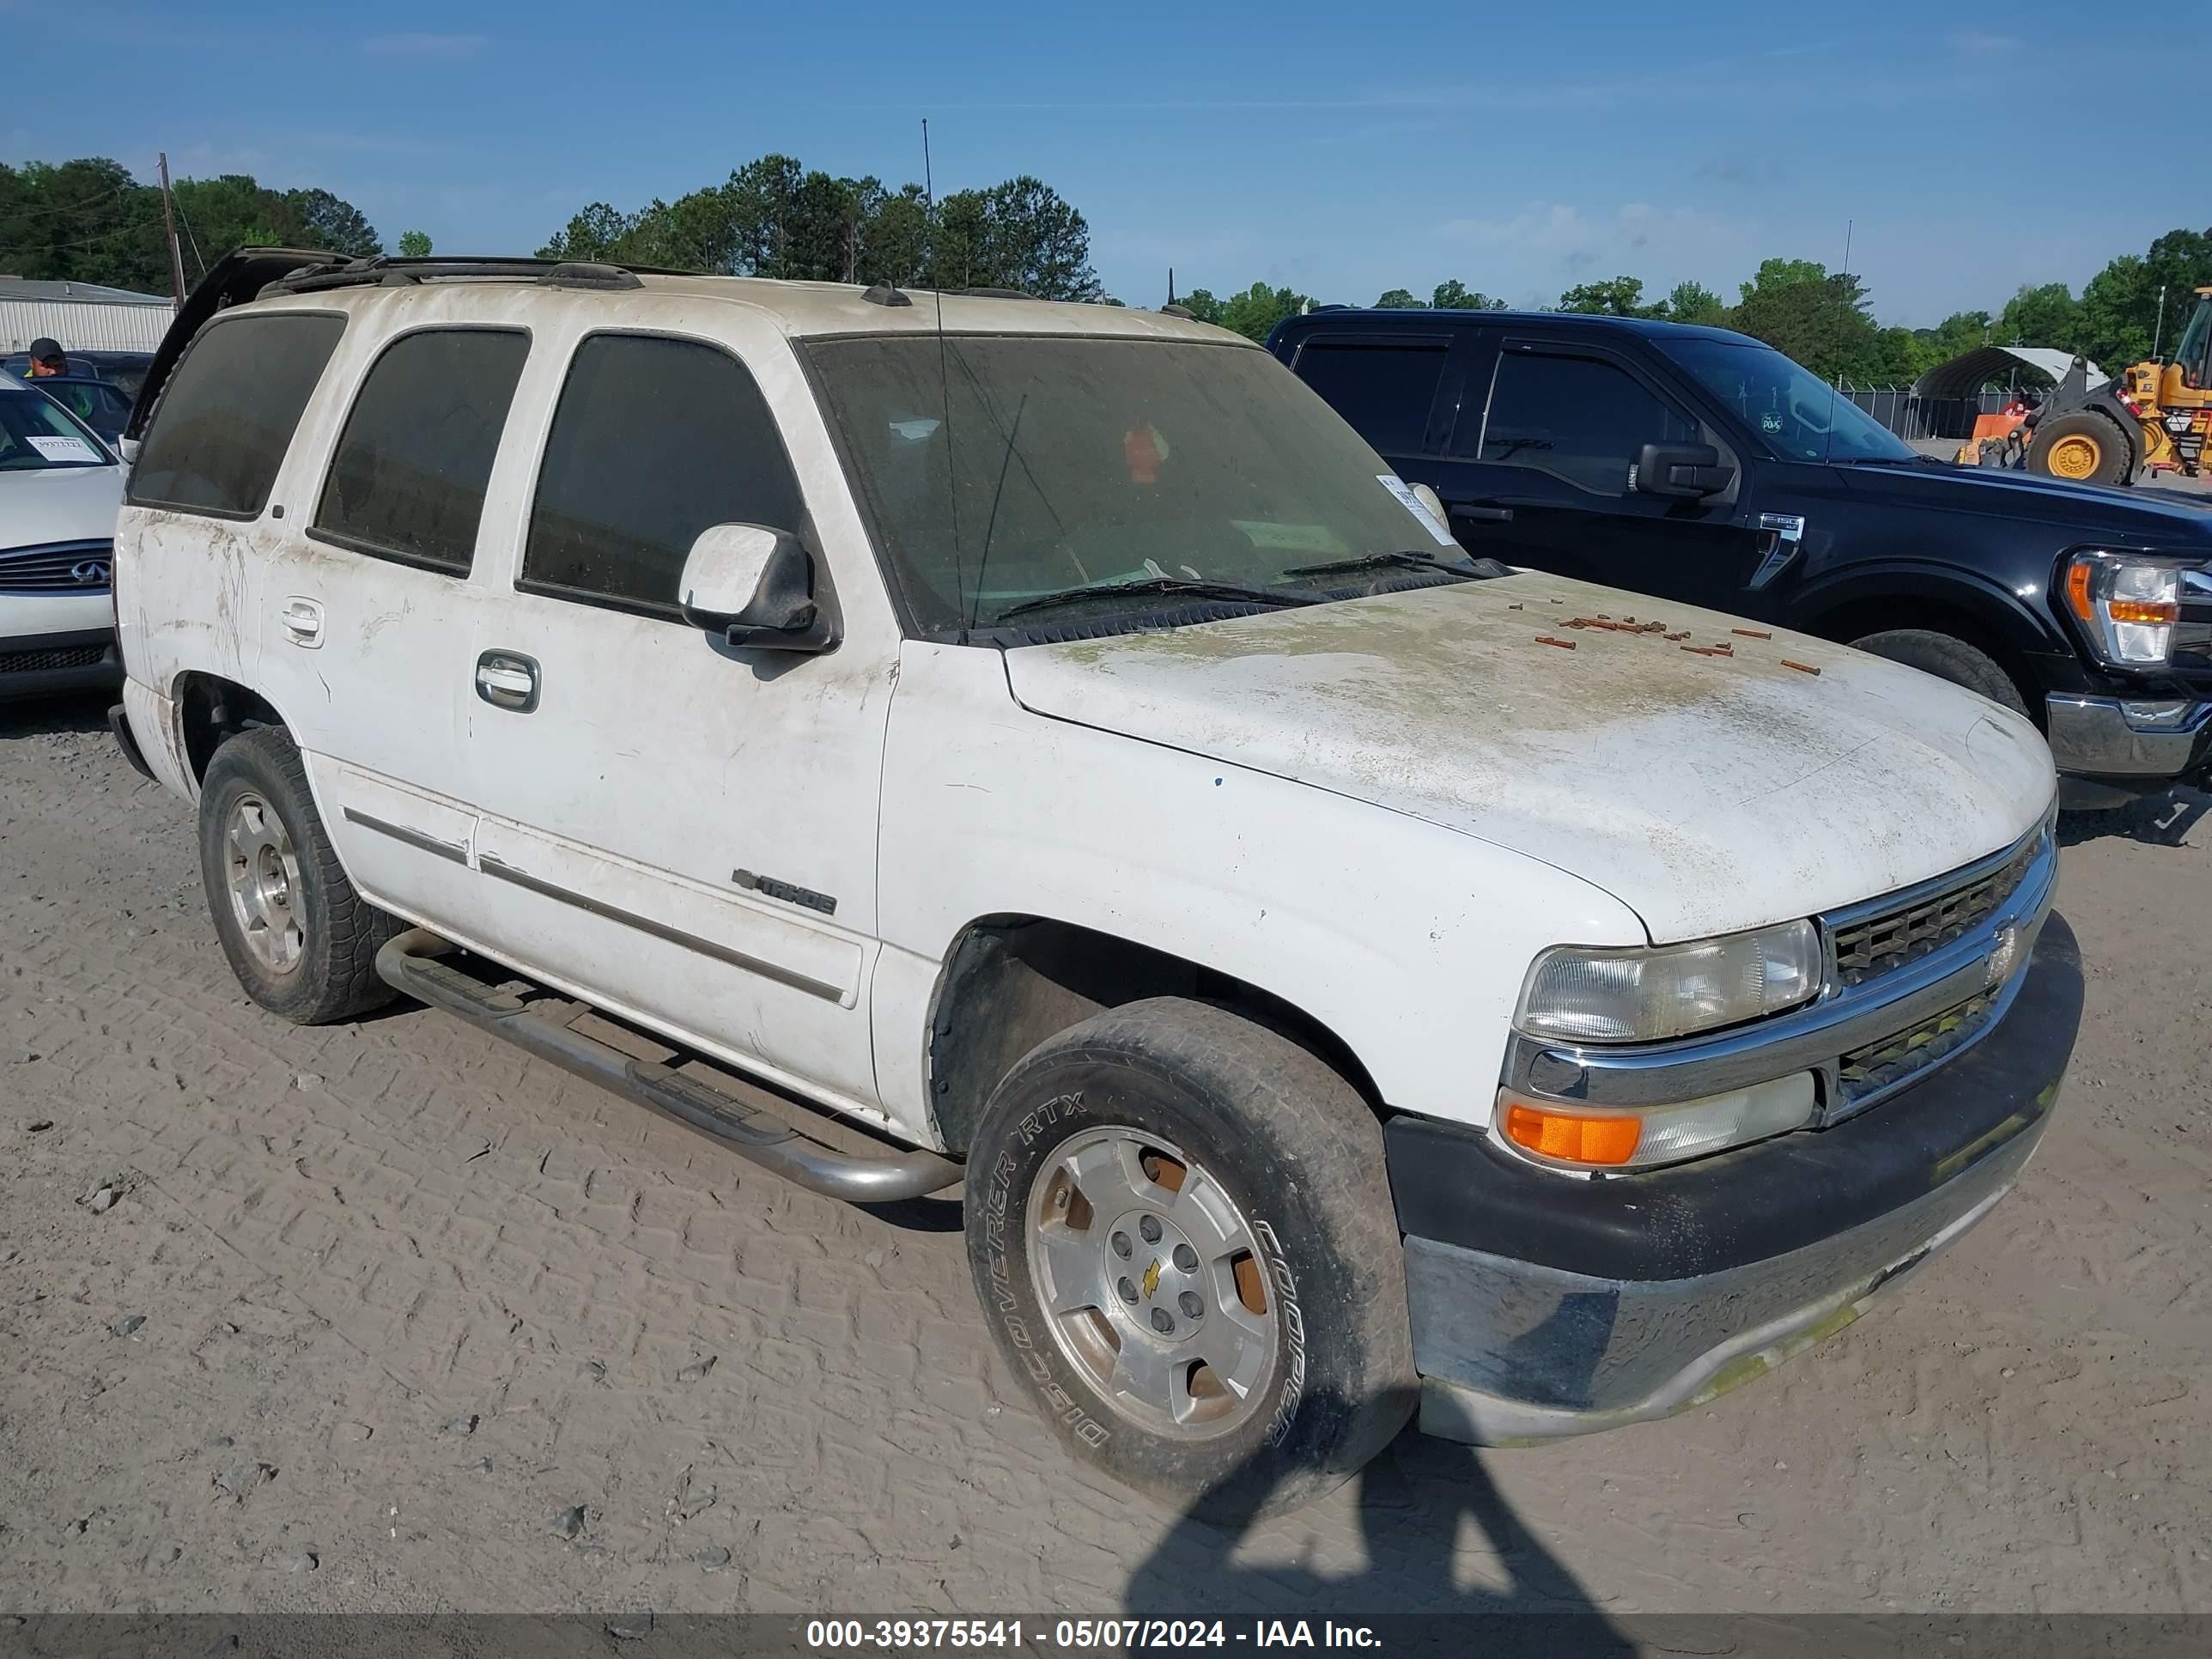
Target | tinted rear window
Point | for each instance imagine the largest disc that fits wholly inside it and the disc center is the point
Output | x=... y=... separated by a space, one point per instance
x=1384 y=390
x=227 y=414
x=408 y=480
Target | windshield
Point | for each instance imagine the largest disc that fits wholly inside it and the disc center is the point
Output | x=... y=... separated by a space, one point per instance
x=35 y=434
x=1800 y=415
x=2195 y=351
x=1071 y=463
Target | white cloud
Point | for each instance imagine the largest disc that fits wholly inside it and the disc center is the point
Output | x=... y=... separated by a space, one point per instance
x=448 y=47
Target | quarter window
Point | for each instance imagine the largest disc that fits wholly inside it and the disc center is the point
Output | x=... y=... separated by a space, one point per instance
x=1384 y=390
x=229 y=412
x=408 y=480
x=654 y=440
x=1578 y=418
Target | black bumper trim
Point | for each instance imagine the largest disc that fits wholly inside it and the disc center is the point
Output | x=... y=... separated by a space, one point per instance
x=1453 y=1185
x=25 y=683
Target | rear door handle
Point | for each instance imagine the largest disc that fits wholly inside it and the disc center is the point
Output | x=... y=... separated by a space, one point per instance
x=509 y=680
x=1483 y=510
x=303 y=622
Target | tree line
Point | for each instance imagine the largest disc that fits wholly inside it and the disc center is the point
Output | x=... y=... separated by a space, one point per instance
x=773 y=217
x=89 y=221
x=1824 y=319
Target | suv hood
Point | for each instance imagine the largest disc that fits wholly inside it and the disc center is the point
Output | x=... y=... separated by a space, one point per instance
x=59 y=504
x=1707 y=794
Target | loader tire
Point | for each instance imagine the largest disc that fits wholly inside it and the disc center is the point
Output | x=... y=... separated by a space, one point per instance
x=2083 y=447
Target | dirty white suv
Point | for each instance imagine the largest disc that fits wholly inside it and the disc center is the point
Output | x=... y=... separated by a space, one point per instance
x=923 y=739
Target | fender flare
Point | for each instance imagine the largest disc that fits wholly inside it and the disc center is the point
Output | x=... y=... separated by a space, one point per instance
x=1991 y=604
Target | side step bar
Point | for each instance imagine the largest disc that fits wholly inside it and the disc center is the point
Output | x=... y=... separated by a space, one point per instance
x=410 y=963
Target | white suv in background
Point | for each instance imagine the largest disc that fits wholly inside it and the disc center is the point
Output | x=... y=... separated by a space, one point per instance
x=59 y=490
x=1046 y=740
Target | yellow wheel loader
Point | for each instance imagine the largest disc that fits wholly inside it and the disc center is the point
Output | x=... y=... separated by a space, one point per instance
x=2151 y=416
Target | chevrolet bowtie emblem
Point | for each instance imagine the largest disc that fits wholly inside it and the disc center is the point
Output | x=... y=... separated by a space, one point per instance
x=1152 y=1277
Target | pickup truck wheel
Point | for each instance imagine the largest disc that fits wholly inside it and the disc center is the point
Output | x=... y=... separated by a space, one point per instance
x=1181 y=1231
x=1947 y=658
x=301 y=940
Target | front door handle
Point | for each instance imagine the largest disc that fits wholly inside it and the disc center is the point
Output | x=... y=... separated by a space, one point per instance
x=509 y=680
x=1483 y=510
x=303 y=623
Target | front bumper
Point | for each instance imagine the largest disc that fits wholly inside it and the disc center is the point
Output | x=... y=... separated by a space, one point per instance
x=2137 y=742
x=1544 y=1306
x=49 y=665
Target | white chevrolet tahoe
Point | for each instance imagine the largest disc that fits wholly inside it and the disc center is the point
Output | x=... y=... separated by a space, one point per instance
x=923 y=739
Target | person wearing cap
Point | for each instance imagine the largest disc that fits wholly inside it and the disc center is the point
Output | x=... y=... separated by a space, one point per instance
x=47 y=358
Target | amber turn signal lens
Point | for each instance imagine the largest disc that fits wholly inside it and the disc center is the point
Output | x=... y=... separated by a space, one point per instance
x=1577 y=1139
x=2141 y=610
x=2077 y=590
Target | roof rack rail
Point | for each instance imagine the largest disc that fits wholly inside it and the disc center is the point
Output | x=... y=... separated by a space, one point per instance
x=985 y=292
x=382 y=271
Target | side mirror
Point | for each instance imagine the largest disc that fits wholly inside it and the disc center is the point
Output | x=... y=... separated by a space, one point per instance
x=127 y=448
x=1687 y=470
x=754 y=586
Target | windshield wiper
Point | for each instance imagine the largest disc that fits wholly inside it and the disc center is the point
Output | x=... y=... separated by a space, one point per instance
x=1179 y=585
x=1406 y=559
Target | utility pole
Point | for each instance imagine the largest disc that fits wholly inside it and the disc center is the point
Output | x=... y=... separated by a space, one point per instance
x=169 y=220
x=2158 y=336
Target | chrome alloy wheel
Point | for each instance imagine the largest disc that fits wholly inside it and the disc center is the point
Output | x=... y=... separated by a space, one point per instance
x=264 y=873
x=1151 y=1282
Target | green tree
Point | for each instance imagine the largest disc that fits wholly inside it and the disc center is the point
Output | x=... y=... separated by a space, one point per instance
x=327 y=222
x=2120 y=303
x=1801 y=310
x=1622 y=296
x=1020 y=234
x=1255 y=313
x=1693 y=303
x=592 y=234
x=1453 y=295
x=1201 y=304
x=1775 y=274
x=1399 y=298
x=414 y=244
x=2046 y=316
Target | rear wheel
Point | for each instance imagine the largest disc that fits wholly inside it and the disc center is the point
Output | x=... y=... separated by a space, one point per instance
x=1947 y=659
x=2083 y=447
x=1180 y=1228
x=301 y=940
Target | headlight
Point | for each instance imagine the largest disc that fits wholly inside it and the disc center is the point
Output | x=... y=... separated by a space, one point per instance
x=2127 y=606
x=1613 y=1139
x=1648 y=995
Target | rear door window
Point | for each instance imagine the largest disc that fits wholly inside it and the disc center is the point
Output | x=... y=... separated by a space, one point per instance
x=1578 y=418
x=407 y=481
x=653 y=440
x=1384 y=388
x=229 y=413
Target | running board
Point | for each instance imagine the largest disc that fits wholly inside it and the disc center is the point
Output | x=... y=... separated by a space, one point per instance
x=410 y=963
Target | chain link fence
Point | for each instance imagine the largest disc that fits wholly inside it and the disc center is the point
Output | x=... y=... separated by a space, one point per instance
x=1910 y=415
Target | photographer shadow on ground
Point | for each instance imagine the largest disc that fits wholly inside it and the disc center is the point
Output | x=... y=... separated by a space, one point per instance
x=1427 y=1515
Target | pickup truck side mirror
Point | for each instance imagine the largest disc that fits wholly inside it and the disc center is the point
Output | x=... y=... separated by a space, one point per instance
x=1687 y=470
x=754 y=586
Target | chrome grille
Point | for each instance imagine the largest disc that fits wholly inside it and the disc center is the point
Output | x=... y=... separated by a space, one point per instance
x=1883 y=1065
x=1873 y=946
x=57 y=567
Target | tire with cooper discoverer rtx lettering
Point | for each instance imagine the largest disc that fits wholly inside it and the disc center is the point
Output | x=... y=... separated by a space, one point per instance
x=1181 y=1231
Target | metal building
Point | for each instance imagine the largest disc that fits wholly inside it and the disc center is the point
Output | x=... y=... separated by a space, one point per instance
x=83 y=316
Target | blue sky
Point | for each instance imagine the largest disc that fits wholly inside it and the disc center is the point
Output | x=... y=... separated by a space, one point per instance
x=1524 y=149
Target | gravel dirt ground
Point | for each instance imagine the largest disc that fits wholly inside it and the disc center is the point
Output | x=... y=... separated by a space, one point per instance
x=385 y=1315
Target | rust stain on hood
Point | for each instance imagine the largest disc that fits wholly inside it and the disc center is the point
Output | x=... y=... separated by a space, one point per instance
x=1707 y=792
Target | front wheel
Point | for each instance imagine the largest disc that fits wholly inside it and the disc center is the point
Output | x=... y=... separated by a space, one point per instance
x=1181 y=1231
x=2083 y=447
